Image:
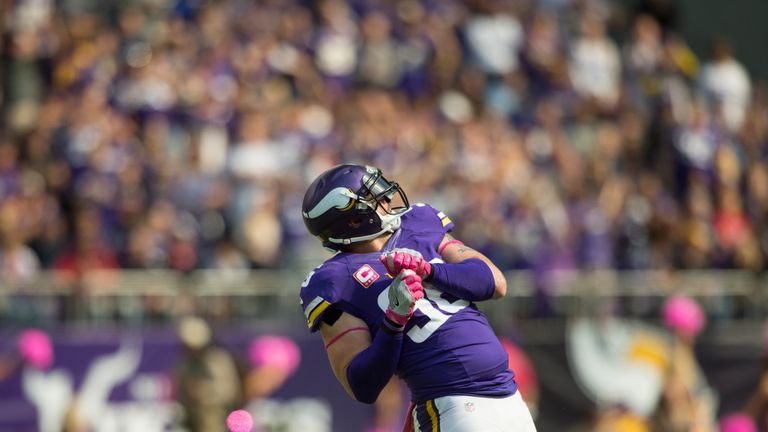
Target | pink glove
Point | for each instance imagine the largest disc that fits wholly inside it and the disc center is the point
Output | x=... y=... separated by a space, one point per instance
x=402 y=258
x=403 y=293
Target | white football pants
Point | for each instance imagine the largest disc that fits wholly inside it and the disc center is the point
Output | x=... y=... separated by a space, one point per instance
x=473 y=414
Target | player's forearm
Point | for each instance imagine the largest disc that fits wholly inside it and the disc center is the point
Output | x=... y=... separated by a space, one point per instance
x=471 y=279
x=453 y=251
x=371 y=369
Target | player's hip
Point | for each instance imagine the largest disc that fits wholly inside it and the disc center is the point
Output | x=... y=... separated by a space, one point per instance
x=473 y=414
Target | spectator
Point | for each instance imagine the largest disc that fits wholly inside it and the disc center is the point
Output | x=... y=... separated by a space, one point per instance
x=494 y=38
x=687 y=403
x=273 y=360
x=19 y=265
x=665 y=12
x=207 y=379
x=727 y=83
x=595 y=65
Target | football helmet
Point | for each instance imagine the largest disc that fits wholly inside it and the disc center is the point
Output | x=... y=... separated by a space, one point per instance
x=350 y=204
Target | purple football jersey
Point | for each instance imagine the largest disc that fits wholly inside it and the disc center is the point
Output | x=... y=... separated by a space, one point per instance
x=449 y=347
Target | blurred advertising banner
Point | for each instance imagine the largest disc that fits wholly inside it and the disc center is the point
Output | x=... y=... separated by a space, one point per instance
x=123 y=380
x=591 y=370
x=119 y=380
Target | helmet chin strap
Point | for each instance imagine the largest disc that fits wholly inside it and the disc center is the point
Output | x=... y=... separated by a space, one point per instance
x=389 y=223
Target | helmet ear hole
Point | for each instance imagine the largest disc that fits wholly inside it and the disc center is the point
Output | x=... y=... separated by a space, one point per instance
x=355 y=223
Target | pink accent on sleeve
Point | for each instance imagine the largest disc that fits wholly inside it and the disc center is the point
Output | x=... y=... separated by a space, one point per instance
x=338 y=336
x=454 y=241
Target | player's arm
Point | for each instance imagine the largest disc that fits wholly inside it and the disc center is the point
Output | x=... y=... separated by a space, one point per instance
x=364 y=365
x=343 y=340
x=454 y=251
x=464 y=273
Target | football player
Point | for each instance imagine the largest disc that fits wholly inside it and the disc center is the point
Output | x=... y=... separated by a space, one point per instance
x=399 y=297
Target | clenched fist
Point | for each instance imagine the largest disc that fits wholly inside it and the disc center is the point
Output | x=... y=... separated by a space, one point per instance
x=400 y=259
x=403 y=293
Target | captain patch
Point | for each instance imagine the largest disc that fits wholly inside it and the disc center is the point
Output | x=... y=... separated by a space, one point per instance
x=366 y=275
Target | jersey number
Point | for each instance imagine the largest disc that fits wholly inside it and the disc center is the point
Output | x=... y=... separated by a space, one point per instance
x=437 y=317
x=305 y=283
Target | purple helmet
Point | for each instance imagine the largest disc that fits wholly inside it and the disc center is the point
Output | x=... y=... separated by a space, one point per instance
x=340 y=206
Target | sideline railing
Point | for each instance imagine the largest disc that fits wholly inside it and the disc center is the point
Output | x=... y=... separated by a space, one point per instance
x=141 y=295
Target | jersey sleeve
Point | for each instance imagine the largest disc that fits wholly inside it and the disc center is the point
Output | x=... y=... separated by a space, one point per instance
x=445 y=221
x=321 y=289
x=436 y=218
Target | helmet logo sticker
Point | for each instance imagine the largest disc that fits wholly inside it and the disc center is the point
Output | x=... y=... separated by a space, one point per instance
x=351 y=201
x=339 y=197
x=366 y=275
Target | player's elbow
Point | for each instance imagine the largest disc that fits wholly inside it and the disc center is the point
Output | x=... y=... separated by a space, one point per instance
x=367 y=399
x=361 y=396
x=500 y=288
x=366 y=395
x=362 y=391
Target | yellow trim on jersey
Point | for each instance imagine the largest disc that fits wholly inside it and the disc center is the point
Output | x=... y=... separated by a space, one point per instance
x=433 y=415
x=312 y=305
x=316 y=312
x=446 y=221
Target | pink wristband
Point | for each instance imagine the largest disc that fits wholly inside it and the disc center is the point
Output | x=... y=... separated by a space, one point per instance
x=450 y=242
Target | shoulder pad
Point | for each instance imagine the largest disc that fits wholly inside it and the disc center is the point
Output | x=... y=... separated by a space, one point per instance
x=321 y=288
x=433 y=216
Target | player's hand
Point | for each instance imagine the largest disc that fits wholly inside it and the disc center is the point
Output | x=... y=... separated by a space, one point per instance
x=403 y=293
x=399 y=259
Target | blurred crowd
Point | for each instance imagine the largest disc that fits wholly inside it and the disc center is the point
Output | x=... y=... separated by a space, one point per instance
x=558 y=134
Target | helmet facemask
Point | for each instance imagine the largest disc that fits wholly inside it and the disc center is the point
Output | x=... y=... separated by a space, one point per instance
x=382 y=194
